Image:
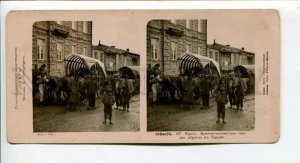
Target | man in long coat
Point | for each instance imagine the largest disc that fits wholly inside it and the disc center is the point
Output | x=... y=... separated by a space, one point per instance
x=91 y=88
x=188 y=95
x=206 y=87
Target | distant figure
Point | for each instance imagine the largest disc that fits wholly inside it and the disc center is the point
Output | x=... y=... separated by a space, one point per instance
x=74 y=93
x=91 y=88
x=221 y=100
x=154 y=81
x=108 y=101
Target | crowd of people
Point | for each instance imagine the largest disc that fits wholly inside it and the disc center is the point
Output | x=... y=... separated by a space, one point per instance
x=79 y=88
x=193 y=88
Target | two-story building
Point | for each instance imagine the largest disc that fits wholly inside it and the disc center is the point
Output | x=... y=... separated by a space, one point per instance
x=53 y=40
x=115 y=58
x=229 y=57
x=168 y=39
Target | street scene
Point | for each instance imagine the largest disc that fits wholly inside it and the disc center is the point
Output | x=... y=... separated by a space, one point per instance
x=81 y=87
x=196 y=86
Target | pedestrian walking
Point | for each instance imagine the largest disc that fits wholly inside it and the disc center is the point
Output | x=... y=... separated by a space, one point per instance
x=91 y=88
x=221 y=100
x=108 y=101
x=206 y=87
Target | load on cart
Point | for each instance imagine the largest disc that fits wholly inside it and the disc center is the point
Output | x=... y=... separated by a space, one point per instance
x=83 y=65
x=132 y=73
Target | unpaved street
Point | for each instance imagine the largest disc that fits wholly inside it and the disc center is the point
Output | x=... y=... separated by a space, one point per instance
x=55 y=118
x=172 y=118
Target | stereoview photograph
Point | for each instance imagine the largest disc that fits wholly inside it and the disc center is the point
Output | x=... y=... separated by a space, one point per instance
x=197 y=85
x=78 y=86
x=143 y=76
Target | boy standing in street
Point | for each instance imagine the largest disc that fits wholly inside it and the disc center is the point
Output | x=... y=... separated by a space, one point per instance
x=221 y=100
x=108 y=101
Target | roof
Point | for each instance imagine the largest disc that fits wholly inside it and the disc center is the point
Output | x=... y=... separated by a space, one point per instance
x=225 y=48
x=75 y=61
x=112 y=49
x=190 y=60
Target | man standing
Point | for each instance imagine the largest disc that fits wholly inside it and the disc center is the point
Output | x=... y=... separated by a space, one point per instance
x=188 y=95
x=206 y=87
x=125 y=94
x=230 y=90
x=240 y=91
x=74 y=93
x=117 y=92
x=91 y=88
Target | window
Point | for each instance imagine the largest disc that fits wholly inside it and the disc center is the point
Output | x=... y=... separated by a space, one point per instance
x=217 y=56
x=102 y=57
x=41 y=49
x=174 y=50
x=211 y=54
x=84 y=28
x=154 y=48
x=84 y=52
x=199 y=50
x=117 y=59
x=73 y=49
x=125 y=61
x=188 y=25
x=59 y=51
x=74 y=25
x=200 y=26
x=95 y=55
x=188 y=47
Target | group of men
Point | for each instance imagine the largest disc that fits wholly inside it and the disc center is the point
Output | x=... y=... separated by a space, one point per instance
x=114 y=90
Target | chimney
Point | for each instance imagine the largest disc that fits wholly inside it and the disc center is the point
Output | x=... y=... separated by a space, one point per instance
x=112 y=46
x=127 y=50
x=99 y=43
x=228 y=45
x=214 y=41
x=243 y=48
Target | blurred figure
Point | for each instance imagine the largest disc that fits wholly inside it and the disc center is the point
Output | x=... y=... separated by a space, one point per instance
x=221 y=100
x=240 y=91
x=206 y=87
x=91 y=88
x=108 y=101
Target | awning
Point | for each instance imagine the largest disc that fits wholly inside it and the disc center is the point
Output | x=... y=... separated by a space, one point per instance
x=190 y=61
x=131 y=71
x=76 y=61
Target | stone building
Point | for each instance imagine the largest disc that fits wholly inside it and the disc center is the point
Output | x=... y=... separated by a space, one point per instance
x=53 y=40
x=168 y=39
x=229 y=57
x=114 y=58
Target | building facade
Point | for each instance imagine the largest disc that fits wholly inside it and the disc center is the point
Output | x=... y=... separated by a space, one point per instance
x=168 y=39
x=229 y=57
x=53 y=40
x=114 y=58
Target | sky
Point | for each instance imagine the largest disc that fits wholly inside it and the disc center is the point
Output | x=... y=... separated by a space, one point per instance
x=254 y=32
